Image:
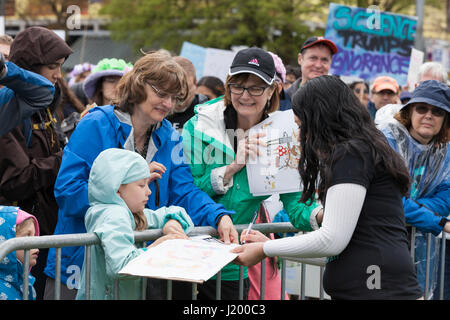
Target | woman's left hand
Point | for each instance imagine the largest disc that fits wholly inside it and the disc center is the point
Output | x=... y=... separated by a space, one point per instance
x=249 y=254
x=172 y=226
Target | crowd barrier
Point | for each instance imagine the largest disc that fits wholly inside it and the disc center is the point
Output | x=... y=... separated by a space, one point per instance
x=89 y=239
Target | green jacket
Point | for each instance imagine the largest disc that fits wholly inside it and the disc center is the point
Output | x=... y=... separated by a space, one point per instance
x=111 y=220
x=208 y=150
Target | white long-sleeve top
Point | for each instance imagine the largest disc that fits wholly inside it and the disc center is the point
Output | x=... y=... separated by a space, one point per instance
x=343 y=207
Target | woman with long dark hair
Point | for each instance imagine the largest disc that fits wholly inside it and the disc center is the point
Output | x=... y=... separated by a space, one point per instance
x=361 y=181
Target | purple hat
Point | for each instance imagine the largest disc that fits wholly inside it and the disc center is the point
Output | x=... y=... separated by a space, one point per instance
x=104 y=68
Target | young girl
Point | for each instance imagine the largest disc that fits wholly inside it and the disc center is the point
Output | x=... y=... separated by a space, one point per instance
x=16 y=223
x=118 y=192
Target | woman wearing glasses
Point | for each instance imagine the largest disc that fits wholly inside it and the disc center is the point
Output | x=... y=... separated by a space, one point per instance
x=135 y=122
x=217 y=146
x=361 y=91
x=421 y=135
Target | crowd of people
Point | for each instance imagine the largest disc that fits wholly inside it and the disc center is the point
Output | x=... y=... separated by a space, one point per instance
x=114 y=147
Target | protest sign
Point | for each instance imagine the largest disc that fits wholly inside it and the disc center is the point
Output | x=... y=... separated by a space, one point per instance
x=414 y=66
x=370 y=43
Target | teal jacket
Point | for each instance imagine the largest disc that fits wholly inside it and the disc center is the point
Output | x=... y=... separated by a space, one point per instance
x=111 y=220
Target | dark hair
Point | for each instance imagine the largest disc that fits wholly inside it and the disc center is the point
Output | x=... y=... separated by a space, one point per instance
x=212 y=83
x=442 y=137
x=98 y=93
x=330 y=114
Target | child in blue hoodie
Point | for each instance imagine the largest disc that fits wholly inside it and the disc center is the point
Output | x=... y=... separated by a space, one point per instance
x=16 y=223
x=118 y=192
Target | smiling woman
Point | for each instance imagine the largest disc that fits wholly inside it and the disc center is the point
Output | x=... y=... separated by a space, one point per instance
x=135 y=122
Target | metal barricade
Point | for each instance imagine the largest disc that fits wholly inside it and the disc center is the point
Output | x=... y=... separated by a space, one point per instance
x=89 y=239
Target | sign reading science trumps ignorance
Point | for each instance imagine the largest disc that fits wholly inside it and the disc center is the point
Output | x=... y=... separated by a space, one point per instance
x=370 y=43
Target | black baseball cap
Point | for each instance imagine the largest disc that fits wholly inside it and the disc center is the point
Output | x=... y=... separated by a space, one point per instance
x=256 y=61
x=316 y=40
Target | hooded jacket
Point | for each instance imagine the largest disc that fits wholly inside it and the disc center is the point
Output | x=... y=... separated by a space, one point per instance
x=429 y=167
x=111 y=220
x=30 y=154
x=103 y=128
x=209 y=150
x=11 y=269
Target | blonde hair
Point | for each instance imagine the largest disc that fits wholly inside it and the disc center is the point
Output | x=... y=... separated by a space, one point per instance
x=157 y=68
x=5 y=39
x=22 y=225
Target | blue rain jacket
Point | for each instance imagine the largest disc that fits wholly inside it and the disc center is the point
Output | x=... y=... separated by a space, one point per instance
x=23 y=94
x=429 y=168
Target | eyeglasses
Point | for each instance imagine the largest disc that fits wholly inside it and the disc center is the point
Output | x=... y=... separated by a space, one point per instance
x=164 y=95
x=253 y=91
x=435 y=111
x=358 y=91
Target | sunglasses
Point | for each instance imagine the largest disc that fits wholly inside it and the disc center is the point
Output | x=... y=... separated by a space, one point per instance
x=358 y=91
x=435 y=111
